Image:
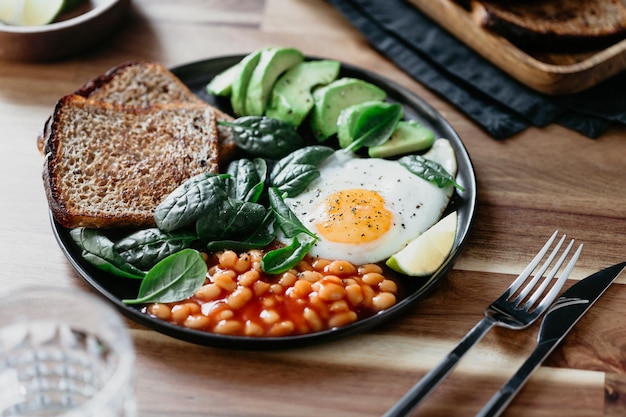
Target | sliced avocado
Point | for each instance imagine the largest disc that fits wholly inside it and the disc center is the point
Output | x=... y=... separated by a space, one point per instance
x=336 y=96
x=349 y=117
x=240 y=83
x=273 y=62
x=221 y=84
x=409 y=136
x=291 y=99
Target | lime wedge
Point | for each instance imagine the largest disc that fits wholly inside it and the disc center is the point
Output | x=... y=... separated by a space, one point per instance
x=424 y=255
x=29 y=12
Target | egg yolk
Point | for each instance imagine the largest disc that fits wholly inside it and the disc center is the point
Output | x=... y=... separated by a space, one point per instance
x=353 y=216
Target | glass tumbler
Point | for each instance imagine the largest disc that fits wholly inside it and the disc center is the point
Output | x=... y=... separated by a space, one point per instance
x=63 y=353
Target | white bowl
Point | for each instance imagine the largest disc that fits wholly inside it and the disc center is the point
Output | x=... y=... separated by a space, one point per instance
x=72 y=34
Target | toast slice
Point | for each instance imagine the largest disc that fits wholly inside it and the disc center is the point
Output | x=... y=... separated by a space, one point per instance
x=554 y=25
x=108 y=165
x=142 y=84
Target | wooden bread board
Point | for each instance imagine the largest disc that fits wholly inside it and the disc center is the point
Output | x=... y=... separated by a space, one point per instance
x=547 y=73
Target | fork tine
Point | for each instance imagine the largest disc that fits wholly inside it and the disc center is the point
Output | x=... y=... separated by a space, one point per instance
x=533 y=299
x=554 y=291
x=531 y=266
x=528 y=288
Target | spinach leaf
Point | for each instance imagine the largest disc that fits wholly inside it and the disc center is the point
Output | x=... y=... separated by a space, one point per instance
x=286 y=220
x=189 y=201
x=429 y=170
x=173 y=279
x=264 y=136
x=261 y=237
x=232 y=218
x=293 y=173
x=145 y=248
x=98 y=250
x=374 y=125
x=283 y=259
x=247 y=179
x=294 y=180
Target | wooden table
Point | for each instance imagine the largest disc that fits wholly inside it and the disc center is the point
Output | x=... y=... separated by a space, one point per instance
x=528 y=186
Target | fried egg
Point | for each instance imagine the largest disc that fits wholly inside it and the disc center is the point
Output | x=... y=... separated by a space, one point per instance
x=364 y=210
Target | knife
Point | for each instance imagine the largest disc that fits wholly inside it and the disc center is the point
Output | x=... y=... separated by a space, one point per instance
x=558 y=321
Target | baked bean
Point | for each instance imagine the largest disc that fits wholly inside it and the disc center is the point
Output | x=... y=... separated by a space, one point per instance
x=276 y=289
x=208 y=292
x=268 y=302
x=225 y=280
x=342 y=319
x=242 y=264
x=159 y=310
x=383 y=301
x=239 y=297
x=313 y=319
x=224 y=314
x=301 y=288
x=282 y=328
x=319 y=264
x=330 y=291
x=253 y=329
x=354 y=294
x=368 y=294
x=339 y=306
x=227 y=327
x=311 y=276
x=228 y=259
x=197 y=321
x=269 y=316
x=248 y=278
x=373 y=278
x=179 y=313
x=366 y=269
x=287 y=279
x=260 y=288
x=388 y=286
x=340 y=268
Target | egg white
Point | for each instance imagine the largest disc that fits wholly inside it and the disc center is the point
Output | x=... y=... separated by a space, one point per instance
x=415 y=204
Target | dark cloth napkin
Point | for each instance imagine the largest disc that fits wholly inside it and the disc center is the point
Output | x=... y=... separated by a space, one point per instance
x=486 y=94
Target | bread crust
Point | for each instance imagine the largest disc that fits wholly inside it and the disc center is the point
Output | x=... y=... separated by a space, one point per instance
x=144 y=84
x=108 y=165
x=556 y=25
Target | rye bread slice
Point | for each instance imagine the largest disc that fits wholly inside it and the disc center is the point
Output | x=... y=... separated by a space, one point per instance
x=145 y=83
x=109 y=166
x=554 y=25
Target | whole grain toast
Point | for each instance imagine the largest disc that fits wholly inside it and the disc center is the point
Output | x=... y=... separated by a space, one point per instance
x=144 y=83
x=554 y=25
x=108 y=165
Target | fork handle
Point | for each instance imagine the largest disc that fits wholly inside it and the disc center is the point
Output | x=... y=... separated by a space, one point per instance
x=432 y=379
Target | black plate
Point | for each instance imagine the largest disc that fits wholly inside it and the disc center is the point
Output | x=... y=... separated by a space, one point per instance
x=196 y=75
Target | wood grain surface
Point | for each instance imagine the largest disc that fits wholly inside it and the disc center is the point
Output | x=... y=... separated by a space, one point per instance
x=528 y=186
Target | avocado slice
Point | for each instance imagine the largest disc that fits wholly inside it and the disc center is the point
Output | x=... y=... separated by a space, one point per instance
x=336 y=96
x=409 y=136
x=240 y=83
x=273 y=62
x=222 y=83
x=291 y=99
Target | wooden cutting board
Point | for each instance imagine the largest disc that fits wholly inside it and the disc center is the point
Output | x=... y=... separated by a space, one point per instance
x=547 y=73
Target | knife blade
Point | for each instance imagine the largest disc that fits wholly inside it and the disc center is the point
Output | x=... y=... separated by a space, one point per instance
x=558 y=321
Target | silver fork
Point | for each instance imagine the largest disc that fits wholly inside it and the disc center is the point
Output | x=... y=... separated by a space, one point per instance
x=512 y=310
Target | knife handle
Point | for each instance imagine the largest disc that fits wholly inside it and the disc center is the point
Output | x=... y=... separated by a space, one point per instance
x=503 y=397
x=430 y=381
